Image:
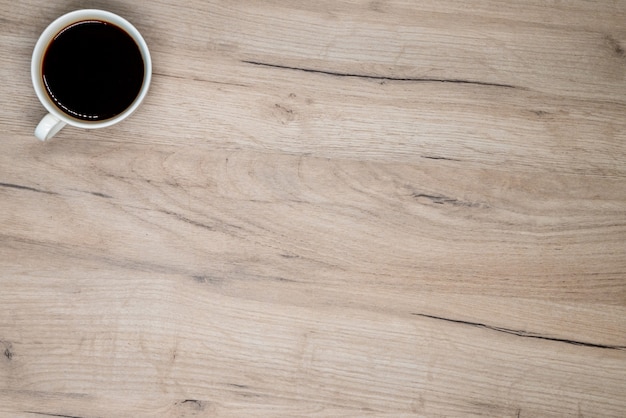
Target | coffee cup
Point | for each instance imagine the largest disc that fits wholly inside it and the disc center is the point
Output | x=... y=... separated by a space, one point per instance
x=90 y=69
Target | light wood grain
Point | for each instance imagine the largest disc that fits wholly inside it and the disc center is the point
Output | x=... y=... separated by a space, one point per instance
x=354 y=208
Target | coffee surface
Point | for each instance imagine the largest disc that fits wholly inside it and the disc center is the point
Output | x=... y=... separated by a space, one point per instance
x=93 y=70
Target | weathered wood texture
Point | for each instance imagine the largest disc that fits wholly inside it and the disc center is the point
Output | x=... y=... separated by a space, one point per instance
x=333 y=208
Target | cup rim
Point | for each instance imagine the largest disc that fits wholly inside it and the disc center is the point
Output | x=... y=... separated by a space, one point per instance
x=52 y=30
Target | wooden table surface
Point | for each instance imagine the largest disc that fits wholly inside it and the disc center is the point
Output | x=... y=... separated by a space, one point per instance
x=333 y=208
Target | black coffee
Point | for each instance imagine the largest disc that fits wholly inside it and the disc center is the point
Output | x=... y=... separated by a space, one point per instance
x=93 y=70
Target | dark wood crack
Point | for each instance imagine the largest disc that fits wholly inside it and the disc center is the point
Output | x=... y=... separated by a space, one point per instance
x=52 y=415
x=442 y=200
x=20 y=187
x=195 y=403
x=434 y=157
x=522 y=333
x=383 y=78
x=188 y=221
x=103 y=195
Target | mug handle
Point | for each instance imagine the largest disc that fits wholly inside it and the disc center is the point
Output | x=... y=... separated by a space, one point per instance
x=48 y=127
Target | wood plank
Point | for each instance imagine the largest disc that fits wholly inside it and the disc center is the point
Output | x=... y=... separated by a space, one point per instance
x=355 y=208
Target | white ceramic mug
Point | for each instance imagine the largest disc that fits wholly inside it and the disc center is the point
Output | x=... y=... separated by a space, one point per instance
x=56 y=119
